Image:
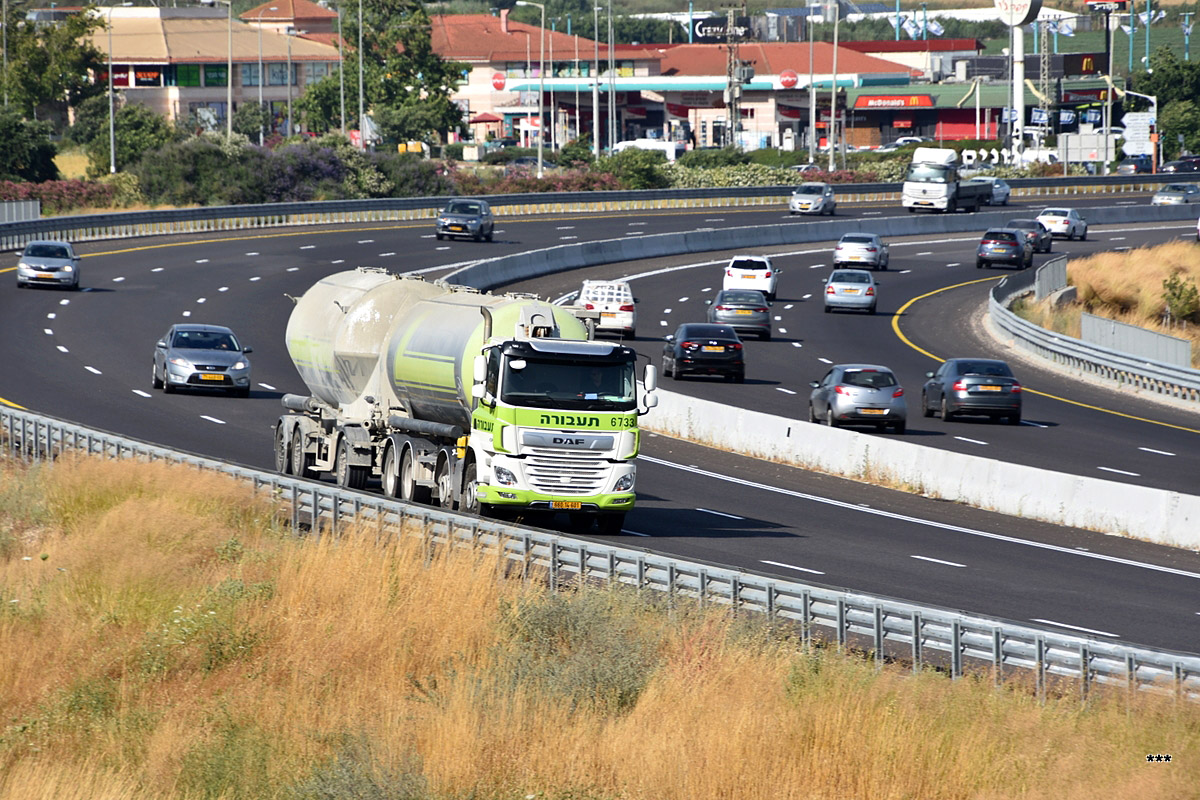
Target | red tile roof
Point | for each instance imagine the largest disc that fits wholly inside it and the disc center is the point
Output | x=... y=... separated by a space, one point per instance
x=287 y=10
x=480 y=39
x=771 y=58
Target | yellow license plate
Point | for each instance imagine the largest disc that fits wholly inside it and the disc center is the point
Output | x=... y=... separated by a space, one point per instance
x=990 y=388
x=850 y=291
x=872 y=411
x=45 y=274
x=457 y=228
x=711 y=349
x=743 y=311
x=212 y=377
x=607 y=315
x=566 y=505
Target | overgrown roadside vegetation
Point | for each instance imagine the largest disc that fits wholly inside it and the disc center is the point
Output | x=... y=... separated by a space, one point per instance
x=1154 y=287
x=161 y=636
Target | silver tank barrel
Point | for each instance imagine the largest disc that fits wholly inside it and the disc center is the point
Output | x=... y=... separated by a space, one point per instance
x=299 y=402
x=410 y=425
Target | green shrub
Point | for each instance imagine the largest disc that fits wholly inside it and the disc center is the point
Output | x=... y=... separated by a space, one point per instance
x=710 y=159
x=1181 y=296
x=637 y=169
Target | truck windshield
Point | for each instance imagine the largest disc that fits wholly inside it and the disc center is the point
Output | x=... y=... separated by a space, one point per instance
x=927 y=173
x=583 y=385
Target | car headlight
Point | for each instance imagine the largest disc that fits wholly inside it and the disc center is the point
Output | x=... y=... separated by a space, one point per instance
x=68 y=269
x=240 y=365
x=180 y=362
x=505 y=477
x=23 y=265
x=624 y=483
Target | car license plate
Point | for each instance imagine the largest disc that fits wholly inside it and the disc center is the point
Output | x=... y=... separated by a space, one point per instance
x=213 y=377
x=709 y=348
x=45 y=274
x=743 y=311
x=872 y=411
x=458 y=228
x=566 y=505
x=850 y=291
x=856 y=258
x=607 y=315
x=990 y=388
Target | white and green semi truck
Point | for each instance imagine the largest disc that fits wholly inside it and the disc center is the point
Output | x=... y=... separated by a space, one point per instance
x=471 y=401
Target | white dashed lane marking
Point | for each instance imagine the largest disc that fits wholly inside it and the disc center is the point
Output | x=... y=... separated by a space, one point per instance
x=1074 y=627
x=567 y=238
x=683 y=299
x=938 y=561
x=255 y=278
x=366 y=241
x=187 y=313
x=223 y=289
x=157 y=269
x=339 y=261
x=118 y=279
x=252 y=253
x=308 y=247
x=201 y=260
x=824 y=360
x=1156 y=452
x=51 y=315
x=201 y=299
x=140 y=393
x=212 y=419
x=62 y=349
x=636 y=223
x=790 y=566
x=970 y=441
x=48 y=331
x=1120 y=472
x=293 y=269
x=385 y=255
x=719 y=513
x=565 y=228
x=785 y=391
x=93 y=370
x=267 y=386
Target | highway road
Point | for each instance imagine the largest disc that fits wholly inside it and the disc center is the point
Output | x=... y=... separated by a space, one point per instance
x=86 y=357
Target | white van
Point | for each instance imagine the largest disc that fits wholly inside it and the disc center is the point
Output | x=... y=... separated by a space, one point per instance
x=616 y=304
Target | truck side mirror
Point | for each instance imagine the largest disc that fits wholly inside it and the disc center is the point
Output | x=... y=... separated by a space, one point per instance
x=650 y=381
x=479 y=368
x=651 y=401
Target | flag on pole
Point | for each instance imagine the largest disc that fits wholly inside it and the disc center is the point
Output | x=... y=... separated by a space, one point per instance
x=1145 y=18
x=1092 y=116
x=1159 y=15
x=1128 y=30
x=1066 y=117
x=935 y=28
x=912 y=29
x=1187 y=29
x=1066 y=28
x=896 y=23
x=1038 y=116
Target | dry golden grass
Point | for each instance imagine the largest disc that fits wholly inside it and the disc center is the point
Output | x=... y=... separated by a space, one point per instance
x=173 y=643
x=1126 y=287
x=72 y=163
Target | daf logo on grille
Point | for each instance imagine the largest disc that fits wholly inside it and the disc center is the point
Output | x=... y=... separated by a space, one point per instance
x=566 y=441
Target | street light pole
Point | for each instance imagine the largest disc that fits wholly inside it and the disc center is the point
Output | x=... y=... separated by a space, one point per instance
x=229 y=77
x=261 y=77
x=612 y=82
x=596 y=83
x=4 y=32
x=290 y=33
x=362 y=142
x=541 y=77
x=341 y=72
x=112 y=128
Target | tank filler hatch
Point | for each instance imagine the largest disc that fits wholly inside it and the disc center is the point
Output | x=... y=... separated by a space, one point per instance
x=536 y=323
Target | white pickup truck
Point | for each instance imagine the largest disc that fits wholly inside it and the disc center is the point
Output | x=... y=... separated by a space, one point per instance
x=933 y=182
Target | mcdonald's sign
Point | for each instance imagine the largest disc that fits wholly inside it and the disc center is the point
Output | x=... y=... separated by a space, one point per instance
x=889 y=101
x=1082 y=63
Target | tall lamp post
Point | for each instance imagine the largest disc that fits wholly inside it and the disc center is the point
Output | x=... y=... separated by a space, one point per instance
x=112 y=128
x=596 y=83
x=4 y=32
x=229 y=75
x=362 y=142
x=291 y=32
x=261 y=77
x=541 y=76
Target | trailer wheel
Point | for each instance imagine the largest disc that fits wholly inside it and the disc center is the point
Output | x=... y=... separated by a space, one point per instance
x=283 y=457
x=445 y=484
x=347 y=476
x=391 y=474
x=409 y=490
x=301 y=461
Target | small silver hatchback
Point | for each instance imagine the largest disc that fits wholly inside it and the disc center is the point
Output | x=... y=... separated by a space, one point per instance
x=850 y=288
x=858 y=394
x=48 y=263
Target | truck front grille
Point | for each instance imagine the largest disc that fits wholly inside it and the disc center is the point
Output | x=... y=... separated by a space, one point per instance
x=560 y=471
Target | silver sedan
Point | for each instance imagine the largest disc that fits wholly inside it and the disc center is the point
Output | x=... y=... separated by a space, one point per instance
x=850 y=288
x=1175 y=194
x=48 y=263
x=198 y=356
x=859 y=394
x=861 y=250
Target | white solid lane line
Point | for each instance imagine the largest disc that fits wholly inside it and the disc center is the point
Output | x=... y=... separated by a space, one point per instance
x=212 y=419
x=719 y=513
x=970 y=441
x=790 y=566
x=140 y=393
x=565 y=228
x=785 y=391
x=916 y=520
x=1156 y=452
x=939 y=561
x=1120 y=472
x=1074 y=627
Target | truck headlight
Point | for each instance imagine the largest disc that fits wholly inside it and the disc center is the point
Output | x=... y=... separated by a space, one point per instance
x=624 y=483
x=505 y=477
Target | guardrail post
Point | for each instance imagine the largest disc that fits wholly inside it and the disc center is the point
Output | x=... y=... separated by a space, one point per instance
x=878 y=637
x=1041 y=670
x=841 y=623
x=612 y=566
x=997 y=655
x=703 y=588
x=956 y=647
x=554 y=565
x=671 y=584
x=641 y=572
x=583 y=565
x=806 y=619
x=735 y=594
x=1085 y=670
x=916 y=641
x=1177 y=672
x=526 y=548
x=1130 y=676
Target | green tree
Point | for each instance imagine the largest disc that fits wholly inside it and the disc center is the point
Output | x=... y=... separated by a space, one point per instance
x=137 y=130
x=637 y=169
x=27 y=154
x=251 y=120
x=321 y=106
x=1180 y=117
x=49 y=67
x=1170 y=78
x=403 y=77
x=91 y=120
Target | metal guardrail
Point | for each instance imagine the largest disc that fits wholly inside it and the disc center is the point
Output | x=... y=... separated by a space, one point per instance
x=958 y=642
x=1142 y=373
x=131 y=224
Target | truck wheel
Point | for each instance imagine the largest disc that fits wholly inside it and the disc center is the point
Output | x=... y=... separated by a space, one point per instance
x=283 y=457
x=469 y=503
x=409 y=489
x=445 y=485
x=301 y=461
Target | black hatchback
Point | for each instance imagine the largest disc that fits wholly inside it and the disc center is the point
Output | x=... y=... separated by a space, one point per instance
x=698 y=348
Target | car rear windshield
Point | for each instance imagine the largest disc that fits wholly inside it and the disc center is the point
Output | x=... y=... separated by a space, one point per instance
x=984 y=368
x=850 y=277
x=1176 y=187
x=743 y=298
x=709 y=332
x=871 y=378
x=1000 y=236
x=607 y=293
x=746 y=264
x=46 y=251
x=852 y=239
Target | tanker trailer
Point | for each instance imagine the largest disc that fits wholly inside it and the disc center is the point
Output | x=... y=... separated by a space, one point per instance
x=491 y=404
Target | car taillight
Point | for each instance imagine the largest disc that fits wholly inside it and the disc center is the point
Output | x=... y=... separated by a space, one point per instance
x=729 y=273
x=589 y=306
x=723 y=308
x=1016 y=387
x=760 y=310
x=991 y=241
x=768 y=274
x=870 y=249
x=627 y=307
x=687 y=345
x=898 y=393
x=830 y=290
x=959 y=386
x=870 y=291
x=841 y=390
x=735 y=346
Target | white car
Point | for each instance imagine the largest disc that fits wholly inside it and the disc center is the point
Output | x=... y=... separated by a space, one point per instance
x=861 y=249
x=752 y=272
x=1064 y=222
x=812 y=198
x=1001 y=191
x=616 y=304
